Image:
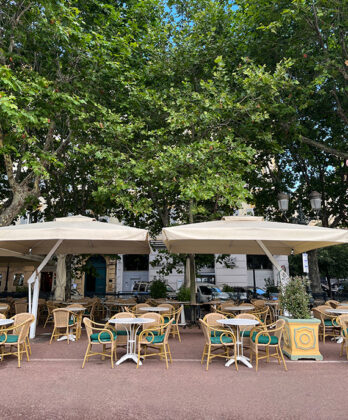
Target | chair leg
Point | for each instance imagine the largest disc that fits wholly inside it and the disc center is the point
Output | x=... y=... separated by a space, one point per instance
x=257 y=359
x=53 y=332
x=170 y=354
x=28 y=344
x=86 y=355
x=165 y=355
x=208 y=356
x=282 y=356
x=138 y=356
x=26 y=350
x=203 y=354
x=19 y=355
x=177 y=328
x=104 y=349
x=112 y=356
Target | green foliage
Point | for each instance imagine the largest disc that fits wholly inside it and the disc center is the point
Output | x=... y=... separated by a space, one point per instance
x=294 y=298
x=158 y=289
x=227 y=288
x=184 y=294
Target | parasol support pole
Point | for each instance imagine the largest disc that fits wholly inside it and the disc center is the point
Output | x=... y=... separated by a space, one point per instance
x=284 y=278
x=35 y=278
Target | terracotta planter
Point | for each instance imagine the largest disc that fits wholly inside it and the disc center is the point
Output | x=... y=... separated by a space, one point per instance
x=301 y=338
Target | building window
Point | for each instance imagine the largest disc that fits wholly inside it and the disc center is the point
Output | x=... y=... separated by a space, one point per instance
x=18 y=279
x=133 y=262
x=258 y=262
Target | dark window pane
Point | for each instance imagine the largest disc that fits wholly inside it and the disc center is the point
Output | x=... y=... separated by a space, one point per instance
x=133 y=262
x=259 y=262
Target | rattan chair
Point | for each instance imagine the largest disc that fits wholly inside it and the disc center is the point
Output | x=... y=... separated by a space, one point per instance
x=266 y=339
x=328 y=326
x=158 y=320
x=5 y=310
x=18 y=319
x=260 y=303
x=156 y=339
x=332 y=303
x=120 y=330
x=99 y=334
x=78 y=316
x=21 y=307
x=217 y=339
x=64 y=324
x=2 y=316
x=51 y=306
x=168 y=315
x=342 y=320
x=176 y=321
x=16 y=341
x=245 y=331
x=262 y=314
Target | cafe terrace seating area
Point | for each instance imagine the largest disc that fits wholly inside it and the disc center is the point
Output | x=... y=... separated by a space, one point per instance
x=118 y=330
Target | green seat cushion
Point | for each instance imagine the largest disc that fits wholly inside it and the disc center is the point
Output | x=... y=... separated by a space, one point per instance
x=345 y=332
x=330 y=323
x=166 y=319
x=224 y=339
x=71 y=322
x=215 y=333
x=264 y=339
x=121 y=332
x=11 y=338
x=104 y=336
x=155 y=340
x=245 y=333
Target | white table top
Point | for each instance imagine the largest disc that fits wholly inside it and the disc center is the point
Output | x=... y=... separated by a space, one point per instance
x=274 y=303
x=239 y=308
x=75 y=309
x=3 y=306
x=154 y=309
x=130 y=321
x=6 y=322
x=238 y=321
x=337 y=311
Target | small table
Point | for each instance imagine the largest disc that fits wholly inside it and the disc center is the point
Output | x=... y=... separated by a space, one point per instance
x=154 y=309
x=132 y=326
x=72 y=337
x=337 y=311
x=239 y=308
x=2 y=307
x=5 y=322
x=239 y=322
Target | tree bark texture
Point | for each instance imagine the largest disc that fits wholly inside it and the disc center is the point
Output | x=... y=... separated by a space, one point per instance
x=314 y=274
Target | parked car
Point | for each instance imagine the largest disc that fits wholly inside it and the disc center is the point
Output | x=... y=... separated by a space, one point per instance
x=208 y=291
x=141 y=289
x=239 y=294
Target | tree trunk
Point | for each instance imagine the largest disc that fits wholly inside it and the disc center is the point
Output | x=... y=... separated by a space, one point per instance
x=68 y=261
x=314 y=274
x=20 y=196
x=192 y=278
x=187 y=272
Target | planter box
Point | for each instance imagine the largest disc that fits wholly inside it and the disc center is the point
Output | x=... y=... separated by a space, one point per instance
x=301 y=338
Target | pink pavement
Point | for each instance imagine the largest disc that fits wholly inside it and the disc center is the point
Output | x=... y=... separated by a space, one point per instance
x=54 y=386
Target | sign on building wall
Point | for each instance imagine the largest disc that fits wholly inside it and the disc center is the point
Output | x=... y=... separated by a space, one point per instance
x=305 y=262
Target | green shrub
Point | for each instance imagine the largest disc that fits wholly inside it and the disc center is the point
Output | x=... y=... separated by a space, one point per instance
x=226 y=288
x=158 y=289
x=295 y=299
x=184 y=294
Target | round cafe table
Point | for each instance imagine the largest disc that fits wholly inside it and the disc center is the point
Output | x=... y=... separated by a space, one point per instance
x=77 y=309
x=239 y=323
x=337 y=311
x=6 y=322
x=154 y=309
x=239 y=308
x=132 y=326
x=2 y=307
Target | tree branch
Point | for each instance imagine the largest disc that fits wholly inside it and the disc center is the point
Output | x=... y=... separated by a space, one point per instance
x=328 y=149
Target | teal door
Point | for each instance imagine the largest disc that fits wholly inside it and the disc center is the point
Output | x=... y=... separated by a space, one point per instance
x=95 y=279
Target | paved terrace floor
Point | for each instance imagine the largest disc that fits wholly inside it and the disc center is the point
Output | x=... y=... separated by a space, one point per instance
x=53 y=386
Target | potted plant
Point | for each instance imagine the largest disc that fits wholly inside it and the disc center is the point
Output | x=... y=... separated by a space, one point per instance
x=301 y=335
x=158 y=289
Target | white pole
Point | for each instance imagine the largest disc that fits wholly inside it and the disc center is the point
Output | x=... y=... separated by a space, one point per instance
x=283 y=276
x=35 y=278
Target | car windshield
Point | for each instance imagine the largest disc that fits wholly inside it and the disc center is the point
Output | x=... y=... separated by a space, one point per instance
x=216 y=289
